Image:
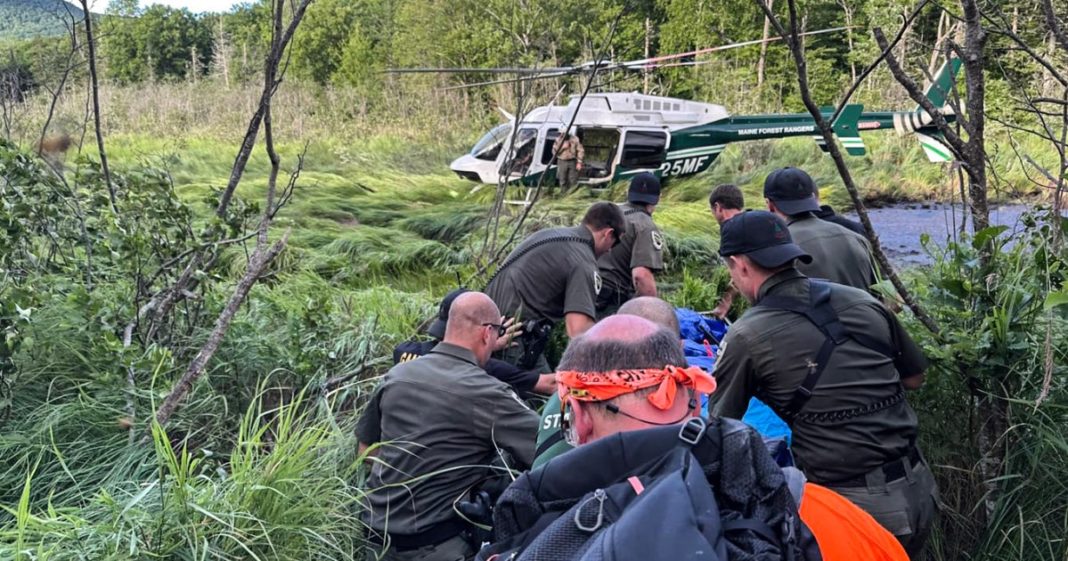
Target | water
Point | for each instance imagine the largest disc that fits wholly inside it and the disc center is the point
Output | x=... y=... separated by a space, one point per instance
x=900 y=226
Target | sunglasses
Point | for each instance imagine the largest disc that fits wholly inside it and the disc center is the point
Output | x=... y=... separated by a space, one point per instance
x=501 y=329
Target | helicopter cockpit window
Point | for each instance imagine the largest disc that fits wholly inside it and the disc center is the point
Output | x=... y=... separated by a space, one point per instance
x=489 y=146
x=524 y=150
x=643 y=149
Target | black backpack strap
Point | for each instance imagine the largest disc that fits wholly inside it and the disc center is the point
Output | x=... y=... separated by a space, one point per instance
x=819 y=312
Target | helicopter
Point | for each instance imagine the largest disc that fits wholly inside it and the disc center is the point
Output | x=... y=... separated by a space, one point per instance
x=628 y=133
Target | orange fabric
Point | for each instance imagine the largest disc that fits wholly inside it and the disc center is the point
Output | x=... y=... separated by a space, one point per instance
x=601 y=386
x=844 y=531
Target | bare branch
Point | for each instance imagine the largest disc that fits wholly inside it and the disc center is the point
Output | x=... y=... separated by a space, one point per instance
x=260 y=259
x=271 y=80
x=797 y=50
x=1054 y=24
x=95 y=88
x=263 y=254
x=878 y=60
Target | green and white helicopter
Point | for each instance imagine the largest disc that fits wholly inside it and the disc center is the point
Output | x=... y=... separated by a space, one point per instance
x=627 y=133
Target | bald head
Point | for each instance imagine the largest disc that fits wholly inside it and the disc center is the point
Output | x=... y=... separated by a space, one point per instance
x=467 y=328
x=623 y=342
x=471 y=310
x=654 y=310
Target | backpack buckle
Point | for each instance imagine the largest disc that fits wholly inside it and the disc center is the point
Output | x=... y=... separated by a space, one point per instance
x=692 y=431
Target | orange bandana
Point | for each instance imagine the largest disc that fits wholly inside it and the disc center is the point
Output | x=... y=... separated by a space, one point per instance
x=602 y=386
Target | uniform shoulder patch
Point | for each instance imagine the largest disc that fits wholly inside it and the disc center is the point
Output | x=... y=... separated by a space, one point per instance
x=597 y=282
x=658 y=239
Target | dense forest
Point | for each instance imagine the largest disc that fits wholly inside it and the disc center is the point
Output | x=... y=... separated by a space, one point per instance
x=215 y=233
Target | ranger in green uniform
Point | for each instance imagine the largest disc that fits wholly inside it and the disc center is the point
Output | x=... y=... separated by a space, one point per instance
x=838 y=254
x=440 y=420
x=628 y=270
x=552 y=276
x=834 y=363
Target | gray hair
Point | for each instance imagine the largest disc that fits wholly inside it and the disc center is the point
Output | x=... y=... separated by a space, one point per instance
x=599 y=355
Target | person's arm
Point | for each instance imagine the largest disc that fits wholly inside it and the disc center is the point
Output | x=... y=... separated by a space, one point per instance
x=369 y=427
x=725 y=303
x=577 y=323
x=546 y=384
x=646 y=257
x=365 y=450
x=513 y=427
x=914 y=382
x=580 y=297
x=909 y=361
x=734 y=378
x=644 y=281
x=580 y=153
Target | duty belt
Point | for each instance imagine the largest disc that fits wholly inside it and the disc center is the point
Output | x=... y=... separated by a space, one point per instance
x=835 y=417
x=434 y=535
x=893 y=471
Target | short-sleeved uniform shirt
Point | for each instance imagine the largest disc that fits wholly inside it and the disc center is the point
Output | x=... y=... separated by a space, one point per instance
x=434 y=414
x=522 y=381
x=838 y=254
x=768 y=351
x=641 y=245
x=551 y=273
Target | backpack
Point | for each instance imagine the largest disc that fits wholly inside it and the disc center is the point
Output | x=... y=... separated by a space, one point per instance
x=706 y=491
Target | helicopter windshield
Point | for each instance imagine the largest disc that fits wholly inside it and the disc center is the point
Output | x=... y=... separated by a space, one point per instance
x=489 y=146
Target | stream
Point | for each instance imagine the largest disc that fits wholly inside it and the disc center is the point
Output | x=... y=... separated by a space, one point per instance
x=900 y=226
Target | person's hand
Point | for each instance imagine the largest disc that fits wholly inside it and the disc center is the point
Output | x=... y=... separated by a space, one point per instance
x=512 y=330
x=578 y=166
x=721 y=310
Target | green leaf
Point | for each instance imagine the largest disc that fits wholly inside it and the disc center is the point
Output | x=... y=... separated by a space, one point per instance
x=1054 y=299
x=984 y=236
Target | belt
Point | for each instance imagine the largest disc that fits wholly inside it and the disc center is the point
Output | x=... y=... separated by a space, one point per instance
x=893 y=471
x=431 y=536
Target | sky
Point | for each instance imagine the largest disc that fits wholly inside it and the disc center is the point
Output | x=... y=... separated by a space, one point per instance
x=192 y=5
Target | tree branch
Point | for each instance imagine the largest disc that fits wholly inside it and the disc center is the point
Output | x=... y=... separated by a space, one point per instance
x=95 y=88
x=271 y=80
x=797 y=50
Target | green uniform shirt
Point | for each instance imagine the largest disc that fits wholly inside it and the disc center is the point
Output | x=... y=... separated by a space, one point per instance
x=435 y=414
x=768 y=350
x=838 y=254
x=551 y=441
x=551 y=273
x=640 y=246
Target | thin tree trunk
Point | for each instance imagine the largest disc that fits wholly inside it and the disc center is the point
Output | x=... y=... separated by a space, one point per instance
x=797 y=50
x=95 y=88
x=762 y=61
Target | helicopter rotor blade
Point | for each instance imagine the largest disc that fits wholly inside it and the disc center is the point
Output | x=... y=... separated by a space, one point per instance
x=662 y=61
x=652 y=61
x=477 y=70
x=508 y=80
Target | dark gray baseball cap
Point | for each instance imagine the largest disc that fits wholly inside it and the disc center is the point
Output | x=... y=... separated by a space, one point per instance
x=762 y=237
x=792 y=190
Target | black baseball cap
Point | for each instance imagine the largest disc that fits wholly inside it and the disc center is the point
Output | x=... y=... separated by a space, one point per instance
x=644 y=188
x=761 y=236
x=792 y=190
x=437 y=328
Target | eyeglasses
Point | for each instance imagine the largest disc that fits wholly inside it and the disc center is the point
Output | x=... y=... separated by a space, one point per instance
x=567 y=426
x=501 y=329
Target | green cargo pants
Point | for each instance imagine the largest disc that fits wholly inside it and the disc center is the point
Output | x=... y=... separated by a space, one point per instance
x=906 y=507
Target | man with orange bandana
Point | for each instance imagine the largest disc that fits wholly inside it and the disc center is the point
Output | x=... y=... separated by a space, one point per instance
x=626 y=375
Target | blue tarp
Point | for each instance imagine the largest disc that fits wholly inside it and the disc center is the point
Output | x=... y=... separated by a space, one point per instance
x=701 y=337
